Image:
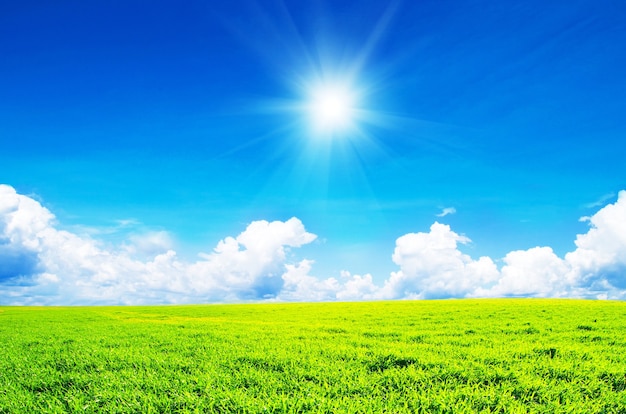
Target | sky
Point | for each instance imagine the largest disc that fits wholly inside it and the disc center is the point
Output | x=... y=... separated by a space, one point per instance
x=216 y=152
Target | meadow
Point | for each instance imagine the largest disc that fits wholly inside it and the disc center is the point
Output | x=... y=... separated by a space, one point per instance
x=448 y=356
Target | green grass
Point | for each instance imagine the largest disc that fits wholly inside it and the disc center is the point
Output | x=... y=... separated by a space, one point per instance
x=514 y=355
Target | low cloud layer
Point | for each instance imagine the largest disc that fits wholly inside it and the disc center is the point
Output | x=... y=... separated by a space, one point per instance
x=40 y=264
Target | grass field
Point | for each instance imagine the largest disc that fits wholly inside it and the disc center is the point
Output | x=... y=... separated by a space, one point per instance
x=510 y=355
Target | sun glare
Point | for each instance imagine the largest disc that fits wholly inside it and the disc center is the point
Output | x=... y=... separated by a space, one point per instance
x=331 y=108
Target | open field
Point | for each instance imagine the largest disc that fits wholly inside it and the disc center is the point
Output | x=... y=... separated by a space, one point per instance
x=510 y=355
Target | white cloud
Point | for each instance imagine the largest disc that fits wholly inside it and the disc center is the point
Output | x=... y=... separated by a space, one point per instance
x=301 y=286
x=40 y=264
x=150 y=243
x=251 y=265
x=533 y=272
x=599 y=261
x=431 y=266
x=446 y=211
x=52 y=266
x=357 y=287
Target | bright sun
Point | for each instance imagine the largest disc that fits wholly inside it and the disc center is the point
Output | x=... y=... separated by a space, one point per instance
x=331 y=108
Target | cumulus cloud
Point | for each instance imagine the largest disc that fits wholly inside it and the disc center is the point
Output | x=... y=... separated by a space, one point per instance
x=44 y=265
x=599 y=261
x=534 y=272
x=431 y=265
x=40 y=264
x=250 y=266
x=301 y=286
x=357 y=287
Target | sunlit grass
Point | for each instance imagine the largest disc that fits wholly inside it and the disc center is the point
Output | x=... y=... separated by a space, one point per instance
x=409 y=356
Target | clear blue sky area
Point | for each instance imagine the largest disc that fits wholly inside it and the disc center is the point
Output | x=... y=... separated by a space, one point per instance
x=184 y=117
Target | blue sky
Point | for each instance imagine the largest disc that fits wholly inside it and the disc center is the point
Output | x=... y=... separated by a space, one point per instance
x=129 y=120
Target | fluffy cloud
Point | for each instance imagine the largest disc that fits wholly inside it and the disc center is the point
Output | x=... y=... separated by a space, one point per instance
x=534 y=272
x=599 y=261
x=44 y=265
x=250 y=266
x=432 y=266
x=301 y=286
x=40 y=264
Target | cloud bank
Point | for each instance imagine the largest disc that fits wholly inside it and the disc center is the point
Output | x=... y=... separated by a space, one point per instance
x=40 y=264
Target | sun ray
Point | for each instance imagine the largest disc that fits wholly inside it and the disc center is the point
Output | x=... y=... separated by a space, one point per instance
x=335 y=105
